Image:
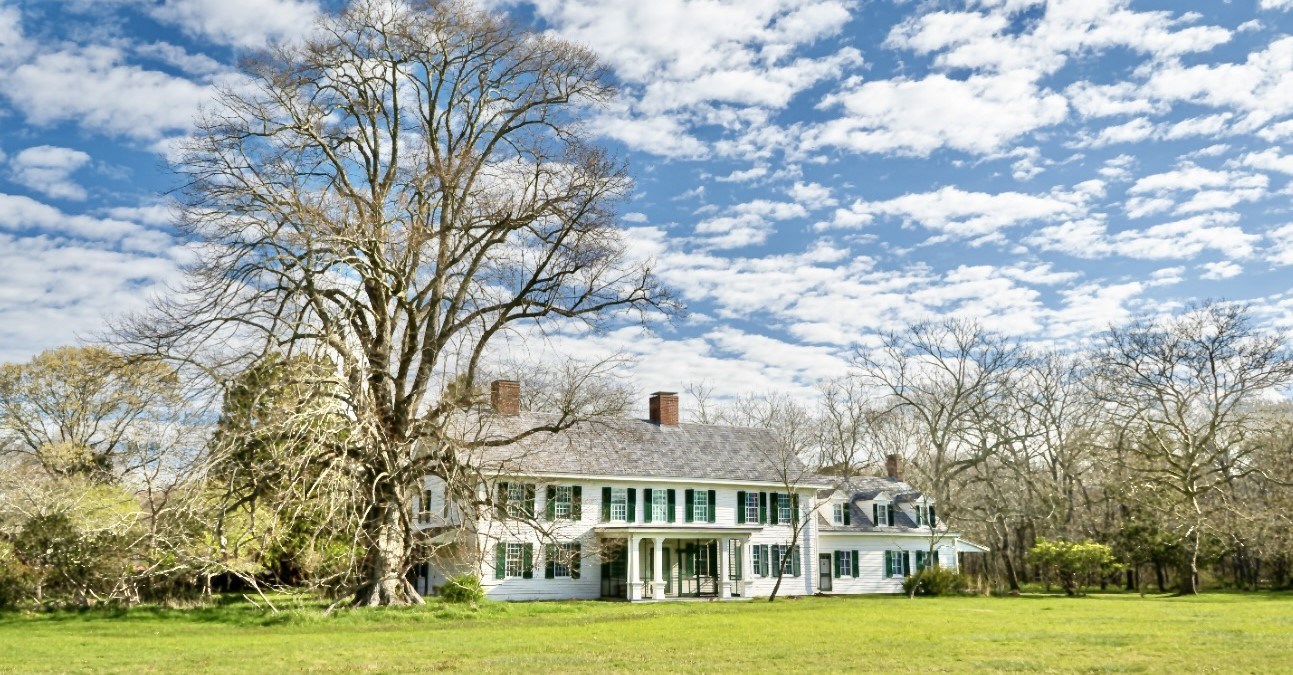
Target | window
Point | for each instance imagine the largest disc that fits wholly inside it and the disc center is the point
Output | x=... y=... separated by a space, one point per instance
x=756 y=559
x=619 y=504
x=515 y=561
x=561 y=501
x=660 y=506
x=783 y=509
x=837 y=514
x=700 y=508
x=926 y=559
x=424 y=508
x=882 y=514
x=563 y=561
x=734 y=559
x=779 y=552
x=845 y=563
x=751 y=507
x=921 y=518
x=516 y=500
x=897 y=564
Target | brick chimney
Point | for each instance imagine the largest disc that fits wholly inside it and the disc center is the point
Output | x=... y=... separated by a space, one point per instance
x=664 y=408
x=505 y=396
x=893 y=467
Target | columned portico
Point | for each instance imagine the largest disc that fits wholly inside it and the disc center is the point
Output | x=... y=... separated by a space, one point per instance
x=674 y=561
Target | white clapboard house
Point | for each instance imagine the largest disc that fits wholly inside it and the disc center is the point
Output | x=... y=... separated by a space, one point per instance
x=654 y=509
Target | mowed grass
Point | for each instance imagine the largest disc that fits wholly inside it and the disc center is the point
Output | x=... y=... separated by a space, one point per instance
x=1103 y=633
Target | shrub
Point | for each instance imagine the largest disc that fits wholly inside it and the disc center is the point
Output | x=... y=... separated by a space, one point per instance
x=1073 y=563
x=935 y=581
x=462 y=588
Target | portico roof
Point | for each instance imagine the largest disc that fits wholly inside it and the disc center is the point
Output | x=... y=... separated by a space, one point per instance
x=677 y=531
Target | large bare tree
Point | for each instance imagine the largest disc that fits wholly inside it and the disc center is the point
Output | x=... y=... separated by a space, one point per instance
x=390 y=196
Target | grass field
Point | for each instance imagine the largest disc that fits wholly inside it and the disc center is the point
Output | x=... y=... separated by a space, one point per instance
x=1104 y=633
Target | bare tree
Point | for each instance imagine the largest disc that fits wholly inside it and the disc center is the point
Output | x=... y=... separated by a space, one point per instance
x=1186 y=391
x=390 y=196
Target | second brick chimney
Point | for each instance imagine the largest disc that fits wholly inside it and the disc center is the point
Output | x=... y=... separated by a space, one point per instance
x=664 y=408
x=505 y=397
x=893 y=466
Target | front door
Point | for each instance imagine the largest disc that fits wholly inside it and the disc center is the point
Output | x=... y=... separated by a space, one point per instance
x=824 y=573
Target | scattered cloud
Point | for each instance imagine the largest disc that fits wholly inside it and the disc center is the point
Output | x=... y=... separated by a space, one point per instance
x=48 y=170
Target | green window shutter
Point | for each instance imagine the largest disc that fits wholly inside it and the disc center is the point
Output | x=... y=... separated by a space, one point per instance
x=575 y=560
x=689 y=511
x=672 y=504
x=740 y=507
x=527 y=561
x=920 y=560
x=767 y=560
x=889 y=508
x=794 y=509
x=906 y=563
x=888 y=563
x=763 y=508
x=500 y=560
x=848 y=513
x=576 y=503
x=632 y=515
x=855 y=563
x=646 y=505
x=529 y=500
x=837 y=564
x=795 y=557
x=933 y=519
x=550 y=502
x=606 y=504
x=776 y=559
x=773 y=507
x=500 y=504
x=875 y=514
x=713 y=506
x=550 y=561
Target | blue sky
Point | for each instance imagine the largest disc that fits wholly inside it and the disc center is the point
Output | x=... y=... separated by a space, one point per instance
x=808 y=172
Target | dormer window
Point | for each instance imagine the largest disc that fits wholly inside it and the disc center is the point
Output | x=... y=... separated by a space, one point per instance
x=882 y=514
x=840 y=513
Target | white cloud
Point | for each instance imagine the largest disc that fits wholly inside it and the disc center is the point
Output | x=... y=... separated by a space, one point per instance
x=1176 y=240
x=1261 y=86
x=980 y=114
x=747 y=224
x=48 y=170
x=93 y=87
x=1269 y=159
x=1223 y=269
x=1105 y=100
x=1282 y=5
x=1212 y=190
x=23 y=214
x=958 y=213
x=241 y=23
x=1280 y=251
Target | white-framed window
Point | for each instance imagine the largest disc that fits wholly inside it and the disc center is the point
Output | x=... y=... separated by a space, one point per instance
x=756 y=560
x=515 y=560
x=846 y=563
x=424 y=507
x=784 y=509
x=660 y=506
x=881 y=513
x=619 y=503
x=562 y=496
x=561 y=561
x=700 y=507
x=516 y=500
x=751 y=507
x=837 y=513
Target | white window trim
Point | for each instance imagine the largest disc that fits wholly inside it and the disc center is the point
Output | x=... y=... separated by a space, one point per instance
x=562 y=498
x=751 y=507
x=620 y=504
x=561 y=566
x=846 y=564
x=660 y=506
x=515 y=565
x=837 y=513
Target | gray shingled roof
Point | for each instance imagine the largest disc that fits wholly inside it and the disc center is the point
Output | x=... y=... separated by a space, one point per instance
x=637 y=448
x=865 y=488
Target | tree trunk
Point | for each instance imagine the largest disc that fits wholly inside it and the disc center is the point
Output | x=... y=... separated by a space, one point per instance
x=1160 y=576
x=386 y=561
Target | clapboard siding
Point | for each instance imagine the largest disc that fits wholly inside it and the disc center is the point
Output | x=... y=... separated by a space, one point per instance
x=871 y=548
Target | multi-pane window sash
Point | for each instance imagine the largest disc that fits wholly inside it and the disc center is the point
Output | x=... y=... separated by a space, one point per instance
x=515 y=562
x=561 y=501
x=619 y=504
x=838 y=513
x=700 y=509
x=756 y=559
x=846 y=563
x=660 y=506
x=783 y=509
x=751 y=507
x=516 y=500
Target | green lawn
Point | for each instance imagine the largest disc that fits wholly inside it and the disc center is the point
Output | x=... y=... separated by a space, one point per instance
x=1104 y=633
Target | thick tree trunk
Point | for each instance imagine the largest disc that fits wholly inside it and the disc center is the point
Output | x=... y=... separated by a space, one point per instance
x=1160 y=576
x=386 y=561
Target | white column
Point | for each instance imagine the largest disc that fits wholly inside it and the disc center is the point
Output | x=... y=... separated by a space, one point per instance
x=635 y=572
x=724 y=584
x=657 y=588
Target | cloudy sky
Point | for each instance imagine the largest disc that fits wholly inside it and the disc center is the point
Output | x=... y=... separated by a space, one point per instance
x=808 y=171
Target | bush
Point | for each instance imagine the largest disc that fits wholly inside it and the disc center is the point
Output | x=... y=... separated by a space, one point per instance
x=462 y=588
x=1073 y=564
x=935 y=581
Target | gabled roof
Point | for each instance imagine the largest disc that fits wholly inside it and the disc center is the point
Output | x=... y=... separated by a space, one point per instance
x=863 y=489
x=637 y=448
